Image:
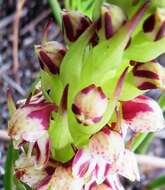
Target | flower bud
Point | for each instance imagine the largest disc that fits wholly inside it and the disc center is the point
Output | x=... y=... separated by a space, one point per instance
x=143 y=114
x=90 y=105
x=29 y=124
x=50 y=56
x=74 y=24
x=112 y=18
x=154 y=25
x=150 y=75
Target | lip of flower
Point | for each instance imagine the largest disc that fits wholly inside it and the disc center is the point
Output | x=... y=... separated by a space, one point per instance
x=29 y=124
x=62 y=179
x=74 y=23
x=112 y=18
x=150 y=75
x=154 y=25
x=111 y=183
x=143 y=114
x=89 y=105
x=50 y=56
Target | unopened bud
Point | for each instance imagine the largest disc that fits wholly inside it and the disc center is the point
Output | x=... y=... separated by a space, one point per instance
x=154 y=25
x=112 y=18
x=74 y=24
x=150 y=75
x=50 y=56
x=90 y=105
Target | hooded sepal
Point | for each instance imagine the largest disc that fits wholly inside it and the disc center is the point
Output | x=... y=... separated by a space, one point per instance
x=143 y=114
x=50 y=55
x=150 y=75
x=74 y=24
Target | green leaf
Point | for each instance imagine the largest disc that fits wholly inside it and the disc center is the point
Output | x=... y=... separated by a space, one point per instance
x=162 y=101
x=56 y=9
x=53 y=85
x=72 y=63
x=104 y=60
x=142 y=149
x=157 y=183
x=97 y=9
x=142 y=49
x=138 y=140
x=19 y=185
x=8 y=177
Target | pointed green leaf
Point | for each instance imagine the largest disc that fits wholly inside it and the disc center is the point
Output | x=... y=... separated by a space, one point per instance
x=142 y=49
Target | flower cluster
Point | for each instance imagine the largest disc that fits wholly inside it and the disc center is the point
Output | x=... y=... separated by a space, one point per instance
x=72 y=130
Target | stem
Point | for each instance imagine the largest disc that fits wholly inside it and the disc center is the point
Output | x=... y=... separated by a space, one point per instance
x=145 y=144
x=157 y=183
x=56 y=9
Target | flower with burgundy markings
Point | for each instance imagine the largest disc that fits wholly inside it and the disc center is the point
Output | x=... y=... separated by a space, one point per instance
x=154 y=25
x=143 y=114
x=62 y=179
x=29 y=124
x=104 y=150
x=112 y=18
x=150 y=75
x=27 y=173
x=50 y=55
x=74 y=24
x=105 y=156
x=89 y=105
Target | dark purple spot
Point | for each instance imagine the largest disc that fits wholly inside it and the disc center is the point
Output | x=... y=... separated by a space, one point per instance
x=101 y=93
x=76 y=109
x=161 y=32
x=108 y=26
x=106 y=130
x=144 y=73
x=88 y=89
x=48 y=62
x=149 y=24
x=97 y=119
x=64 y=99
x=43 y=182
x=68 y=26
x=147 y=86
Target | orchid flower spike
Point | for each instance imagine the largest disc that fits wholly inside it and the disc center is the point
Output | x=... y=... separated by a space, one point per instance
x=29 y=125
x=50 y=55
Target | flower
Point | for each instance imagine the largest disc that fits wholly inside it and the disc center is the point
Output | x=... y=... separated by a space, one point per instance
x=154 y=25
x=74 y=24
x=89 y=105
x=104 y=158
x=50 y=55
x=143 y=114
x=112 y=18
x=62 y=179
x=36 y=178
x=29 y=124
x=150 y=75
